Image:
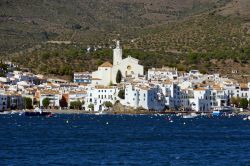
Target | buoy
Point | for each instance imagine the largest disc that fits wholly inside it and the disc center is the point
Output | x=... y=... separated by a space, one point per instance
x=107 y=123
x=184 y=123
x=67 y=121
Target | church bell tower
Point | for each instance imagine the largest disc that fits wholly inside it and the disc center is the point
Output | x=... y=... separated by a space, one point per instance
x=117 y=53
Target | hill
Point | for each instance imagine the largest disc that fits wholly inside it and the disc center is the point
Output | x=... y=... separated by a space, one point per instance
x=204 y=34
x=25 y=23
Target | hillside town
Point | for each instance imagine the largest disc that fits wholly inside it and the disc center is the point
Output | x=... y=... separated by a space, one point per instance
x=124 y=81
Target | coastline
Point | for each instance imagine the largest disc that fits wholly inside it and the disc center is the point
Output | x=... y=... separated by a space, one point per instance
x=64 y=111
x=114 y=112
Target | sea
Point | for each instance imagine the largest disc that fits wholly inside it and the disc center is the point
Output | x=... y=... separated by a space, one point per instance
x=123 y=140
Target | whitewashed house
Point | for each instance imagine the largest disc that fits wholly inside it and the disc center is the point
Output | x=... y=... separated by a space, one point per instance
x=173 y=95
x=219 y=97
x=150 y=98
x=97 y=95
x=53 y=95
x=82 y=77
x=77 y=96
x=200 y=101
x=162 y=73
x=3 y=102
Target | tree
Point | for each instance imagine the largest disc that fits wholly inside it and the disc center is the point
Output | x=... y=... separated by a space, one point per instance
x=76 y=104
x=235 y=101
x=121 y=94
x=118 y=76
x=63 y=102
x=28 y=103
x=91 y=106
x=46 y=102
x=108 y=104
x=243 y=103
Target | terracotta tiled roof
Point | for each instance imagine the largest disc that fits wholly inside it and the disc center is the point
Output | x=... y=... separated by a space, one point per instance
x=49 y=92
x=78 y=92
x=200 y=89
x=106 y=64
x=96 y=79
x=244 y=86
x=103 y=87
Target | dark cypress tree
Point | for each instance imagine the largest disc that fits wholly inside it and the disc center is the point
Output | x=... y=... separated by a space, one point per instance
x=118 y=76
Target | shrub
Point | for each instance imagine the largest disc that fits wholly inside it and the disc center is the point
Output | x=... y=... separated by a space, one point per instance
x=121 y=94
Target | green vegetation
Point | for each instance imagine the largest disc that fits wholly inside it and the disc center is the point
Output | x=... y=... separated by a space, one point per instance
x=121 y=94
x=28 y=103
x=76 y=105
x=235 y=101
x=243 y=103
x=108 y=104
x=46 y=102
x=118 y=77
x=239 y=102
x=192 y=35
x=91 y=106
x=88 y=22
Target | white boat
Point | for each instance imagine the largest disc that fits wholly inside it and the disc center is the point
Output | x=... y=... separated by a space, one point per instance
x=101 y=113
x=5 y=112
x=189 y=116
x=14 y=112
x=246 y=118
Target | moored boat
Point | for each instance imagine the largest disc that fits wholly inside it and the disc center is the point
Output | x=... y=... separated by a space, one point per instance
x=188 y=116
x=246 y=118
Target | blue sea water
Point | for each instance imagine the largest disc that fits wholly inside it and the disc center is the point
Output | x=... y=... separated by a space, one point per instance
x=123 y=140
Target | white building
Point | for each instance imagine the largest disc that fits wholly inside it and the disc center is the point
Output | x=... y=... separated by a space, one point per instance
x=200 y=101
x=53 y=96
x=162 y=73
x=219 y=98
x=76 y=96
x=82 y=77
x=149 y=98
x=98 y=95
x=176 y=98
x=107 y=72
x=3 y=102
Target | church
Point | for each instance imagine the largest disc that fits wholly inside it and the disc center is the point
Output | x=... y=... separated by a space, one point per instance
x=106 y=73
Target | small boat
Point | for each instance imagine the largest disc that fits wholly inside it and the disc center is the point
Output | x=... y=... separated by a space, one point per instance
x=216 y=113
x=247 y=118
x=5 y=112
x=189 y=116
x=101 y=113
